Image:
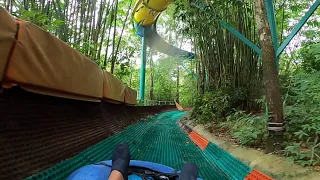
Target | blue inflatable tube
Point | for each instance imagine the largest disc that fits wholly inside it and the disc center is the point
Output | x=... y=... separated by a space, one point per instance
x=101 y=171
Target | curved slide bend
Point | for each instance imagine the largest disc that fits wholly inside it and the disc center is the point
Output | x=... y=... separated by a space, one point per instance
x=146 y=13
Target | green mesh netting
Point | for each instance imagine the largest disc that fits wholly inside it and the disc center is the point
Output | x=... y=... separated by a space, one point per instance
x=158 y=139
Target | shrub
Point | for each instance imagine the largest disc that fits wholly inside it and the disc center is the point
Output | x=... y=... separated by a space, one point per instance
x=249 y=130
x=302 y=113
x=212 y=106
x=303 y=118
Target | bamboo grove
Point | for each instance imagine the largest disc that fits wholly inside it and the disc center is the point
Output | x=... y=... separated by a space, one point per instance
x=226 y=62
x=87 y=25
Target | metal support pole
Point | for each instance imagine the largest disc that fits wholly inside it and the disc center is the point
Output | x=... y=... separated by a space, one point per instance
x=188 y=71
x=225 y=25
x=297 y=27
x=273 y=27
x=241 y=37
x=143 y=68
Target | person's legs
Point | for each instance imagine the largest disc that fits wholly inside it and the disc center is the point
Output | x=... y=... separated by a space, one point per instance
x=115 y=175
x=189 y=171
x=120 y=163
x=121 y=160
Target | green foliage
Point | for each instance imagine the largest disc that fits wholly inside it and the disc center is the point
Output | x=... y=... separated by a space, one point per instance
x=39 y=18
x=123 y=70
x=302 y=104
x=310 y=55
x=187 y=90
x=303 y=118
x=216 y=104
x=300 y=156
x=213 y=106
x=249 y=130
x=226 y=63
x=165 y=79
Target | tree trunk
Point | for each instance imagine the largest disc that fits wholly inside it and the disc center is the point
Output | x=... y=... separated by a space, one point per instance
x=113 y=59
x=98 y=29
x=131 y=73
x=270 y=76
x=151 y=76
x=177 y=87
x=77 y=30
x=115 y=54
x=108 y=39
x=8 y=5
x=103 y=32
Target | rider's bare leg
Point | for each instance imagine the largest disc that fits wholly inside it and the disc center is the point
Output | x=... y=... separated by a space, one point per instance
x=115 y=175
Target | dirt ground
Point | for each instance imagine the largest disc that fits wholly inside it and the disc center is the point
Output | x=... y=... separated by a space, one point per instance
x=273 y=165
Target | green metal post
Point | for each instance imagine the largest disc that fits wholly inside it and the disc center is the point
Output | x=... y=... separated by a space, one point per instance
x=297 y=28
x=241 y=37
x=188 y=71
x=143 y=69
x=225 y=25
x=273 y=26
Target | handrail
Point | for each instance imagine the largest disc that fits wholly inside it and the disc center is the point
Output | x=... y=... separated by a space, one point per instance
x=156 y=102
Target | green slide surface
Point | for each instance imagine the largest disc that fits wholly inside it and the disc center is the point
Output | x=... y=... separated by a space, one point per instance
x=157 y=139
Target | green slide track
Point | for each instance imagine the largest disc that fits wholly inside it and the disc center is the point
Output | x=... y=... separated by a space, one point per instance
x=157 y=139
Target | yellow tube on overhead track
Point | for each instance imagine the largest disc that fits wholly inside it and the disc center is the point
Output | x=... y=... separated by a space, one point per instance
x=146 y=12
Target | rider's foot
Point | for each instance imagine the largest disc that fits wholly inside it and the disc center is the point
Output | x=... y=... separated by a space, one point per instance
x=189 y=171
x=121 y=160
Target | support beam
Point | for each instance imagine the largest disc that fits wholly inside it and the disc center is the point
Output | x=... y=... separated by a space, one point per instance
x=228 y=27
x=273 y=26
x=184 y=67
x=181 y=62
x=272 y=22
x=143 y=68
x=297 y=27
x=188 y=71
x=241 y=37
